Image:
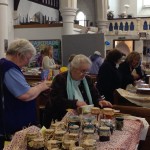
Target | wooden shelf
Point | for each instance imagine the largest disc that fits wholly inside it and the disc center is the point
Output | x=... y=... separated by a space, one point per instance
x=38 y=25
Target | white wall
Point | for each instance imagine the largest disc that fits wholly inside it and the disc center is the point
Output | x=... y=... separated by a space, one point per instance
x=139 y=7
x=88 y=8
x=113 y=6
x=38 y=33
x=135 y=7
x=10 y=20
x=26 y=7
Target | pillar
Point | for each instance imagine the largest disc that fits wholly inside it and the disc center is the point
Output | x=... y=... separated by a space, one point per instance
x=3 y=27
x=68 y=10
x=101 y=13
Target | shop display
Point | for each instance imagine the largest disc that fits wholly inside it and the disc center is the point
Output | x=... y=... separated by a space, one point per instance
x=76 y=132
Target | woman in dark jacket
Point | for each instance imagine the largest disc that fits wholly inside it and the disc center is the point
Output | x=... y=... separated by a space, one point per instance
x=109 y=78
x=72 y=89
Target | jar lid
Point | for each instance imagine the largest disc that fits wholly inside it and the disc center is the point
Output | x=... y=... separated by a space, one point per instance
x=78 y=148
x=74 y=127
x=60 y=132
x=49 y=130
x=38 y=140
x=88 y=131
x=53 y=142
x=104 y=128
x=74 y=118
x=89 y=142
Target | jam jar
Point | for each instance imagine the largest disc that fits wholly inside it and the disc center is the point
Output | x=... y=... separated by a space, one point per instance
x=74 y=129
x=89 y=144
x=104 y=134
x=119 y=123
x=74 y=120
x=51 y=144
x=36 y=144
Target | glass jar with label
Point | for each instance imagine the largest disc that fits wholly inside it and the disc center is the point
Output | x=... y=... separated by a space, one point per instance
x=74 y=129
x=36 y=144
x=74 y=120
x=108 y=113
x=104 y=134
x=119 y=123
x=51 y=144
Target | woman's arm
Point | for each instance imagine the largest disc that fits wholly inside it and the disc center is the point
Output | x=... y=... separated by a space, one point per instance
x=17 y=85
x=33 y=92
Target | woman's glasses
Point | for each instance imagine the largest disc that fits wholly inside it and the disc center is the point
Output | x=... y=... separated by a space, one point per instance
x=84 y=72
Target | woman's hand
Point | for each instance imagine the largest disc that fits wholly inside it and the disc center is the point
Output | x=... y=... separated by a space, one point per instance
x=104 y=103
x=80 y=103
x=57 y=66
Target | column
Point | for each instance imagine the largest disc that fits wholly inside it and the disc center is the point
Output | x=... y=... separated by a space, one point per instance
x=101 y=12
x=68 y=10
x=3 y=27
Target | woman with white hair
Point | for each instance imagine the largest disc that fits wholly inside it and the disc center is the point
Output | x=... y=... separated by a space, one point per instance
x=72 y=89
x=17 y=104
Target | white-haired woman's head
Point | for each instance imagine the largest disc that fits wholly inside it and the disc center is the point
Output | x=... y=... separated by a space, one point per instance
x=79 y=60
x=22 y=47
x=79 y=66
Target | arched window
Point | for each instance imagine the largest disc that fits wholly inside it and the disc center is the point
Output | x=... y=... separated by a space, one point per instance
x=81 y=18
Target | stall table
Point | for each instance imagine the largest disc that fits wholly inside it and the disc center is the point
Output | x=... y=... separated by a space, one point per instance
x=127 y=139
x=126 y=106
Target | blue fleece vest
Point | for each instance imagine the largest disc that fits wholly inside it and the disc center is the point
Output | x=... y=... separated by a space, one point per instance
x=17 y=114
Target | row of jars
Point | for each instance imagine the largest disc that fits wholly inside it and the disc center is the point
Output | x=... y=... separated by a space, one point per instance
x=78 y=132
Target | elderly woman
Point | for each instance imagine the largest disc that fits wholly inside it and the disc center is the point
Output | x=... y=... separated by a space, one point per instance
x=73 y=89
x=126 y=68
x=48 y=62
x=17 y=97
x=109 y=78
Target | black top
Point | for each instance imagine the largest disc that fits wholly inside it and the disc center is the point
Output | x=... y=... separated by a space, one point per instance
x=108 y=80
x=59 y=102
x=126 y=71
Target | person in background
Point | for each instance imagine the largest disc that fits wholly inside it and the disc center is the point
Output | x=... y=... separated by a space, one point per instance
x=17 y=98
x=48 y=62
x=109 y=78
x=97 y=61
x=70 y=59
x=64 y=68
x=40 y=58
x=126 y=68
x=72 y=89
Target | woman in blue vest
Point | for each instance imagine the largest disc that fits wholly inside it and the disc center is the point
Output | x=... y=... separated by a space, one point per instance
x=17 y=104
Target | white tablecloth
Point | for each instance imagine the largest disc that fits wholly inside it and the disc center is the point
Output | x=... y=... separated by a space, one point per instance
x=138 y=99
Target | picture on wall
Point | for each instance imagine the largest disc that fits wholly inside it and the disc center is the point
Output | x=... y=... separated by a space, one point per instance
x=40 y=45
